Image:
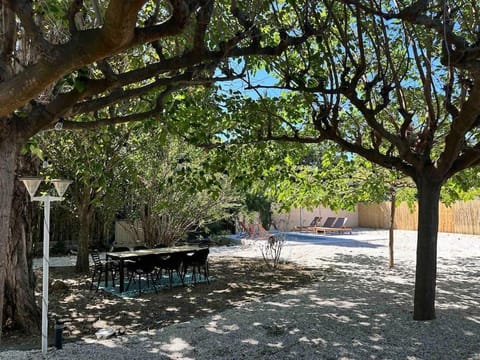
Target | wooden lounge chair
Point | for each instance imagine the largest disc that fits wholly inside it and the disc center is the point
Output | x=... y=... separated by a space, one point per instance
x=262 y=232
x=337 y=226
x=248 y=230
x=315 y=222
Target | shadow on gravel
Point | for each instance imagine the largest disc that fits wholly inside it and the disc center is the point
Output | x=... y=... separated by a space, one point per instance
x=362 y=310
x=237 y=281
x=357 y=309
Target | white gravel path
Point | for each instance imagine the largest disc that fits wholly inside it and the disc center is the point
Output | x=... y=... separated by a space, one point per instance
x=359 y=310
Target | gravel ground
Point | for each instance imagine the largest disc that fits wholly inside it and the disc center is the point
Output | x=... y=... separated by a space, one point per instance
x=360 y=310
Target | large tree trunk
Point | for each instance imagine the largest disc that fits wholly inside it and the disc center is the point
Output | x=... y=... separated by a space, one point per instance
x=8 y=154
x=426 y=270
x=20 y=308
x=17 y=301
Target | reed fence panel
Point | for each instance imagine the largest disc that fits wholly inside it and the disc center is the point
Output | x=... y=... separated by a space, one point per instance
x=461 y=217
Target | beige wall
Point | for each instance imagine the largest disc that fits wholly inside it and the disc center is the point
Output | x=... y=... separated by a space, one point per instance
x=303 y=217
x=127 y=235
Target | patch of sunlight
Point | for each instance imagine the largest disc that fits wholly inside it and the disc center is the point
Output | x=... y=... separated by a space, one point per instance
x=106 y=343
x=453 y=306
x=364 y=323
x=220 y=291
x=294 y=331
x=95 y=306
x=293 y=301
x=278 y=345
x=469 y=333
x=225 y=329
x=176 y=345
x=233 y=327
x=316 y=341
x=362 y=316
x=334 y=303
x=250 y=341
x=278 y=304
x=172 y=309
x=252 y=292
x=128 y=313
x=396 y=279
x=375 y=337
x=319 y=341
x=69 y=298
x=99 y=324
x=475 y=320
x=344 y=319
x=207 y=310
x=257 y=324
x=145 y=333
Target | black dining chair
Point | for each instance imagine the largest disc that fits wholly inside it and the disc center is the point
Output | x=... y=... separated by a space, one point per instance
x=99 y=268
x=197 y=261
x=171 y=263
x=143 y=266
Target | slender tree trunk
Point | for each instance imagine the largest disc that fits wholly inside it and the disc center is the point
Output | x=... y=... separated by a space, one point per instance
x=85 y=221
x=391 y=229
x=426 y=269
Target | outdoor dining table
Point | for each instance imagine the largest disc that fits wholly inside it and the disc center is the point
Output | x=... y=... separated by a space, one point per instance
x=122 y=256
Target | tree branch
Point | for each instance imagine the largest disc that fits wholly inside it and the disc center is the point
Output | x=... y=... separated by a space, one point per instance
x=455 y=139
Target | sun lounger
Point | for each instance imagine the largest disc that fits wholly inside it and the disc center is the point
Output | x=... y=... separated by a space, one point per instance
x=263 y=233
x=337 y=226
x=315 y=222
x=248 y=230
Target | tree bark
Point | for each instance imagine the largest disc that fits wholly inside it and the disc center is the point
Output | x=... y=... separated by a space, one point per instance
x=17 y=302
x=391 y=229
x=426 y=269
x=7 y=176
x=85 y=221
x=20 y=308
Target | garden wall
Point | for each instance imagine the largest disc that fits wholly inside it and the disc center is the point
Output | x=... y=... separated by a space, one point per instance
x=460 y=217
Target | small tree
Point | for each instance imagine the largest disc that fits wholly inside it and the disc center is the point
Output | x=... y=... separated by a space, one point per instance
x=95 y=163
x=172 y=193
x=271 y=250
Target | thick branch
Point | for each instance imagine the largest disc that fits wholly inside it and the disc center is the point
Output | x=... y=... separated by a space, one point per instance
x=459 y=127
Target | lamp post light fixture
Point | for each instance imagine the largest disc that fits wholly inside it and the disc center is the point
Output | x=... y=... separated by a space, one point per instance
x=32 y=183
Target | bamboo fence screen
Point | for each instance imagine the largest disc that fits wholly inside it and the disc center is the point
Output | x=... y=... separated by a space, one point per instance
x=460 y=217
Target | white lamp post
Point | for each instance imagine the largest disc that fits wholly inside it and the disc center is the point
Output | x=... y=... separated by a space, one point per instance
x=32 y=184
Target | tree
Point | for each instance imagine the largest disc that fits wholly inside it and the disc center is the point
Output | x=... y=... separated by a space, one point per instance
x=398 y=85
x=61 y=61
x=95 y=163
x=171 y=192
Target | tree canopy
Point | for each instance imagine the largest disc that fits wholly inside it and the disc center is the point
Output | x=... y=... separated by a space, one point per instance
x=395 y=83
